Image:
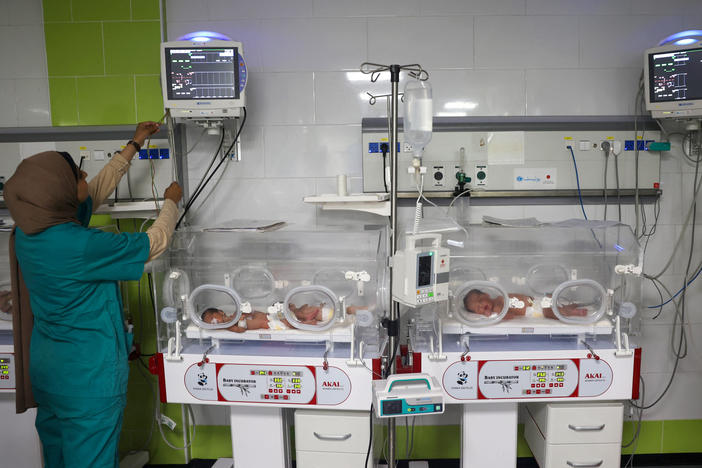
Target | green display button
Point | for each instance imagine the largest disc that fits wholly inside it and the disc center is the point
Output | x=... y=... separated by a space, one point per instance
x=431 y=294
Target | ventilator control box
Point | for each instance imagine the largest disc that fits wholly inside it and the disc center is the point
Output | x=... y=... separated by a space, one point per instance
x=407 y=395
x=7 y=372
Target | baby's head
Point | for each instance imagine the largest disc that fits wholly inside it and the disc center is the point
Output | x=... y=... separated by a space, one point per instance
x=478 y=302
x=308 y=313
x=213 y=315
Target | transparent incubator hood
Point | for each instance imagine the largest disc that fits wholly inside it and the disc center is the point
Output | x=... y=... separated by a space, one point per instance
x=313 y=285
x=560 y=278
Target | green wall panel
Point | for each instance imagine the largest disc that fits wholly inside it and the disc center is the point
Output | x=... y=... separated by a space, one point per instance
x=64 y=106
x=57 y=10
x=106 y=100
x=132 y=47
x=682 y=436
x=100 y=10
x=145 y=10
x=74 y=49
x=149 y=99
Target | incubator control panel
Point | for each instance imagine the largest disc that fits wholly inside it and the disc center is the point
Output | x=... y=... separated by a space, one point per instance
x=274 y=384
x=7 y=372
x=527 y=379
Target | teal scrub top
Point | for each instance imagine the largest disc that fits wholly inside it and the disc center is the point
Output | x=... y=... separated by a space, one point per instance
x=79 y=346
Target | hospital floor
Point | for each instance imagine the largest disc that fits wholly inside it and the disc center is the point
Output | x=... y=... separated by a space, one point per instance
x=688 y=460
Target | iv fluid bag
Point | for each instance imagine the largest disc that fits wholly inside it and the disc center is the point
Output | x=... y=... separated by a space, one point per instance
x=418 y=115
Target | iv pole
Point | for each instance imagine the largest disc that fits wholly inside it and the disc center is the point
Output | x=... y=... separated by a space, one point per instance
x=416 y=71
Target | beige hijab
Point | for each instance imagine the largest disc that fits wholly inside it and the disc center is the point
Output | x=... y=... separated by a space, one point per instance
x=42 y=193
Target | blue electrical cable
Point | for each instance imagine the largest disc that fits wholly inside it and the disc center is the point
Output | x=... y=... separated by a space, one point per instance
x=679 y=291
x=577 y=180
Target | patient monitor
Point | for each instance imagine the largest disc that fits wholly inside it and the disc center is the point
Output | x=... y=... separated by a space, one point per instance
x=202 y=80
x=420 y=272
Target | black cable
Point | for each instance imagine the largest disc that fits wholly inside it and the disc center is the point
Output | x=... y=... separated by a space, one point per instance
x=370 y=438
x=384 y=149
x=207 y=181
x=209 y=166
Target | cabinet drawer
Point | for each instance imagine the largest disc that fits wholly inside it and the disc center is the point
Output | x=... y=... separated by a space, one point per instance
x=582 y=456
x=335 y=460
x=579 y=423
x=332 y=431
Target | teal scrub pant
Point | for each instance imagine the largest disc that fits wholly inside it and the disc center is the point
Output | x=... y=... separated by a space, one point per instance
x=79 y=432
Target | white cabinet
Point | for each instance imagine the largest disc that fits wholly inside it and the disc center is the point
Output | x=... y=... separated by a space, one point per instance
x=575 y=435
x=332 y=438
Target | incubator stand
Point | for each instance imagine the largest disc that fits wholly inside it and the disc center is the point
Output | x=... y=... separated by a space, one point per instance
x=267 y=321
x=536 y=314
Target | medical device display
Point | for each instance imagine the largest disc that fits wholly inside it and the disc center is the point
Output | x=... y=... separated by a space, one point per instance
x=203 y=80
x=673 y=81
x=421 y=272
x=407 y=395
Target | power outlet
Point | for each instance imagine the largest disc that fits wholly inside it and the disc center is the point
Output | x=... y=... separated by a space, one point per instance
x=407 y=148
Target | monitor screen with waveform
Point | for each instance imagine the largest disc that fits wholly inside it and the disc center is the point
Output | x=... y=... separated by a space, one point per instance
x=675 y=75
x=202 y=73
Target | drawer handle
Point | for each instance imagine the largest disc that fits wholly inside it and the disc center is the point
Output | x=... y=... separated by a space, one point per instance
x=584 y=465
x=586 y=429
x=332 y=437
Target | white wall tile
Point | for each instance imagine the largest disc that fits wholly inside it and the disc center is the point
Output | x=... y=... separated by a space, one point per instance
x=526 y=42
x=320 y=151
x=620 y=41
x=493 y=92
x=682 y=400
x=692 y=21
x=248 y=32
x=29 y=60
x=473 y=7
x=340 y=97
x=186 y=10
x=250 y=166
x=657 y=354
x=671 y=200
x=313 y=44
x=653 y=7
x=576 y=7
x=24 y=12
x=581 y=91
x=444 y=42
x=659 y=250
x=8 y=104
x=280 y=98
x=32 y=102
x=238 y=9
x=267 y=199
x=650 y=298
x=340 y=8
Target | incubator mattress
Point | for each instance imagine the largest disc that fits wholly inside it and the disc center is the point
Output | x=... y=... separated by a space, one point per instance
x=339 y=333
x=528 y=326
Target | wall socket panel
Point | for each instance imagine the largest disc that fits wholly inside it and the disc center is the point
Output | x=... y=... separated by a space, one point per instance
x=503 y=161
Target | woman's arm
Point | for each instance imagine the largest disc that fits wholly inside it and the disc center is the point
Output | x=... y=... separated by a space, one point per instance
x=161 y=230
x=105 y=182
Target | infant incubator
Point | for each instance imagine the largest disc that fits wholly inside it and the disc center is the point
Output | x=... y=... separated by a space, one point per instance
x=282 y=286
x=572 y=279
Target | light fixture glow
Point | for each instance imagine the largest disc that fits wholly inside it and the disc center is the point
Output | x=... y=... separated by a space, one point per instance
x=451 y=114
x=204 y=36
x=686 y=41
x=692 y=34
x=460 y=105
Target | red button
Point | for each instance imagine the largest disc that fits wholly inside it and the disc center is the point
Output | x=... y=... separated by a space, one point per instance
x=299 y=391
x=275 y=397
x=287 y=390
x=538 y=391
x=548 y=390
x=533 y=385
x=270 y=372
x=266 y=396
x=285 y=397
x=528 y=392
x=516 y=367
x=252 y=372
x=550 y=385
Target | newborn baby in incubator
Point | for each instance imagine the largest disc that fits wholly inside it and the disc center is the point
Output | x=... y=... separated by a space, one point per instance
x=307 y=314
x=482 y=303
